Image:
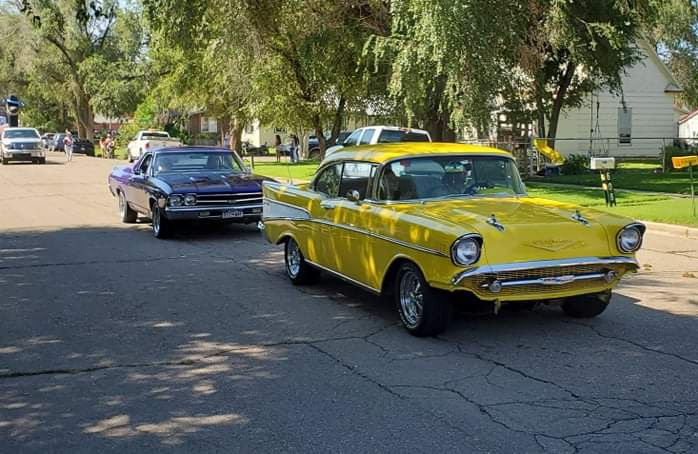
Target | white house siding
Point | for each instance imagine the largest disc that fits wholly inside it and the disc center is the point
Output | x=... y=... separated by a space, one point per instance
x=688 y=128
x=653 y=116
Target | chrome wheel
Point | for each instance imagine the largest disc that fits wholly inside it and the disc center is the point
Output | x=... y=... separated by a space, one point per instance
x=411 y=298
x=122 y=205
x=156 y=221
x=293 y=259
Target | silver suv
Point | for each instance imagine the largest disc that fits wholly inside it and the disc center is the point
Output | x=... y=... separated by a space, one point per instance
x=21 y=144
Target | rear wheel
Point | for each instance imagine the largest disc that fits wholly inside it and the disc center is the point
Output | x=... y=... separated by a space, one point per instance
x=128 y=216
x=586 y=306
x=162 y=227
x=298 y=269
x=423 y=311
x=5 y=161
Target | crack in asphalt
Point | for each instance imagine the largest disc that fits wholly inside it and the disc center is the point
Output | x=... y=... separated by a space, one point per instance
x=98 y=262
x=633 y=343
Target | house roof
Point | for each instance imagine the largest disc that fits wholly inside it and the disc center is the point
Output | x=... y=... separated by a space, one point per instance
x=688 y=116
x=673 y=86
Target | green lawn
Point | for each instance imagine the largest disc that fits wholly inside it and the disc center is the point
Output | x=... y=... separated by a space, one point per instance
x=303 y=171
x=648 y=207
x=633 y=175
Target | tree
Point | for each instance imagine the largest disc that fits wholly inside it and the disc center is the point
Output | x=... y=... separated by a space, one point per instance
x=84 y=38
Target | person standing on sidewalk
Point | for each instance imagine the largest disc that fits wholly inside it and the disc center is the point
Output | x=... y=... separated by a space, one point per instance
x=295 y=149
x=68 y=145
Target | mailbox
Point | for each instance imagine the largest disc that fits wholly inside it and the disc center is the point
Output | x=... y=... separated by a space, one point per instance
x=681 y=162
x=602 y=163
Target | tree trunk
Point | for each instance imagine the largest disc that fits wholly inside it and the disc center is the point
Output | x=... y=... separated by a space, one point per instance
x=338 y=117
x=559 y=101
x=236 y=128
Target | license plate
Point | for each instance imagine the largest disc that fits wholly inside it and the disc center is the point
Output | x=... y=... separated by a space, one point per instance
x=228 y=214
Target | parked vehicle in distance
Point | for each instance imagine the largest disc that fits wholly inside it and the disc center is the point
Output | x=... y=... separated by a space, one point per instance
x=21 y=144
x=84 y=146
x=187 y=183
x=150 y=140
x=46 y=140
x=372 y=135
x=434 y=225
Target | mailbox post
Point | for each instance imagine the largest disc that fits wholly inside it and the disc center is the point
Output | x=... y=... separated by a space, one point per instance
x=681 y=162
x=604 y=166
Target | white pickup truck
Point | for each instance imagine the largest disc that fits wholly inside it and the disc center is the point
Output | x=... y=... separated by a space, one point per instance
x=150 y=140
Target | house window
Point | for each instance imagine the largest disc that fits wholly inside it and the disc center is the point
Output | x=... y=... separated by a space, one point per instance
x=209 y=124
x=625 y=125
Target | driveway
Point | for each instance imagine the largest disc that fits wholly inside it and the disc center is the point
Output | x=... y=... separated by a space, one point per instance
x=112 y=340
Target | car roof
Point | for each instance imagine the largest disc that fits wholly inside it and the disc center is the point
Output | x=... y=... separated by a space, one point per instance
x=394 y=128
x=386 y=152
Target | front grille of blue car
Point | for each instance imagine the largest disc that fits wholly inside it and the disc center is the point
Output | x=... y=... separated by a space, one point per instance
x=247 y=198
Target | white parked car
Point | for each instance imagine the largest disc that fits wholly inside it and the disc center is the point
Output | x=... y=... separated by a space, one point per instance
x=371 y=135
x=150 y=140
x=21 y=144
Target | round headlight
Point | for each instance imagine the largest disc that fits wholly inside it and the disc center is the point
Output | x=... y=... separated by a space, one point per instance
x=190 y=199
x=466 y=250
x=176 y=200
x=630 y=239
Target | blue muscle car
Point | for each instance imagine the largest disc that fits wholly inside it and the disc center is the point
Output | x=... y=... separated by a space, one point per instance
x=188 y=183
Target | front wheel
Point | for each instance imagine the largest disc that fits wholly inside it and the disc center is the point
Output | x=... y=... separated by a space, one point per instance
x=586 y=306
x=162 y=227
x=298 y=269
x=423 y=311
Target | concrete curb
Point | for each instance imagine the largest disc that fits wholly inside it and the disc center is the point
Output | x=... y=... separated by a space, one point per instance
x=672 y=230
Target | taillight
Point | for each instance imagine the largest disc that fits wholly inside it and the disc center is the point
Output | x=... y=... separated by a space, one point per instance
x=147 y=145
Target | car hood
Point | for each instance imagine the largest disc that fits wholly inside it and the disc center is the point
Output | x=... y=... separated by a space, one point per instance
x=531 y=228
x=213 y=182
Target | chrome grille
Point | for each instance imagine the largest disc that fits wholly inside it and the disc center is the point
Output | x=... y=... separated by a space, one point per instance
x=480 y=282
x=243 y=198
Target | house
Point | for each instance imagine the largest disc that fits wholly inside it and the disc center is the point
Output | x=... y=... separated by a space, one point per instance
x=203 y=129
x=637 y=124
x=688 y=127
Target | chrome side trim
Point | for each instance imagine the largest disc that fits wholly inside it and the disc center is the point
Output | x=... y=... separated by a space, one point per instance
x=523 y=266
x=408 y=245
x=345 y=278
x=557 y=280
x=210 y=208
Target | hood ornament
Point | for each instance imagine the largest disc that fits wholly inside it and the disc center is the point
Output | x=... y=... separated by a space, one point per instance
x=577 y=216
x=492 y=220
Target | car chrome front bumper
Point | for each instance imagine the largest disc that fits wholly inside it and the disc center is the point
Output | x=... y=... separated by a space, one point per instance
x=544 y=277
x=250 y=213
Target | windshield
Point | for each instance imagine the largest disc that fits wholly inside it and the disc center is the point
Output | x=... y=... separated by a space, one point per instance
x=181 y=162
x=21 y=134
x=449 y=176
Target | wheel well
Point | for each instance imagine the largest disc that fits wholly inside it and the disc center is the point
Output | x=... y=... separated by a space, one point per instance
x=391 y=274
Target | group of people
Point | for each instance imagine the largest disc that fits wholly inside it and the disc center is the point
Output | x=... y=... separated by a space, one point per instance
x=294 y=148
x=107 y=145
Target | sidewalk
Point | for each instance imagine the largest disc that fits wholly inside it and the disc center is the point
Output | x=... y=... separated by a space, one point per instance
x=672 y=230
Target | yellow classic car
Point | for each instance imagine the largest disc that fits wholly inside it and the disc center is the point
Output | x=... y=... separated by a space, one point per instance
x=432 y=224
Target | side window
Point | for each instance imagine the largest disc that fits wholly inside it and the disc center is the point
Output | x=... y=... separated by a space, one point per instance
x=353 y=139
x=368 y=135
x=145 y=164
x=328 y=181
x=356 y=177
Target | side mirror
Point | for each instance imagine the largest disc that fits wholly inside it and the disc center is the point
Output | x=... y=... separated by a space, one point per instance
x=354 y=196
x=137 y=171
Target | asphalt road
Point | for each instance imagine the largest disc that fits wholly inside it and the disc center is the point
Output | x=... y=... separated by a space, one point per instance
x=113 y=341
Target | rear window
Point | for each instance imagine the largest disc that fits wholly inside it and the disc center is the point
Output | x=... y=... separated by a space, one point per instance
x=391 y=136
x=155 y=135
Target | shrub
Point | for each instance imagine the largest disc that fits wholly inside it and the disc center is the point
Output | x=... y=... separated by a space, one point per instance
x=669 y=152
x=575 y=164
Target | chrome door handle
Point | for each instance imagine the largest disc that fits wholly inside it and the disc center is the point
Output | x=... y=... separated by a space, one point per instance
x=327 y=205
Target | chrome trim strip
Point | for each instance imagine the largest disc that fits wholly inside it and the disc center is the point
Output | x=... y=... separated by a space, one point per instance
x=209 y=208
x=537 y=264
x=345 y=278
x=563 y=280
x=408 y=245
x=296 y=207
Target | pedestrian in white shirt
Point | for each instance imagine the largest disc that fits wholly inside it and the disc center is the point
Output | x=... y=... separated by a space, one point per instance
x=68 y=145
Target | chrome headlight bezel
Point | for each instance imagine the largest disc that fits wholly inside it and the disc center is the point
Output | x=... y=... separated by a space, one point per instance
x=175 y=200
x=634 y=228
x=472 y=240
x=190 y=200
